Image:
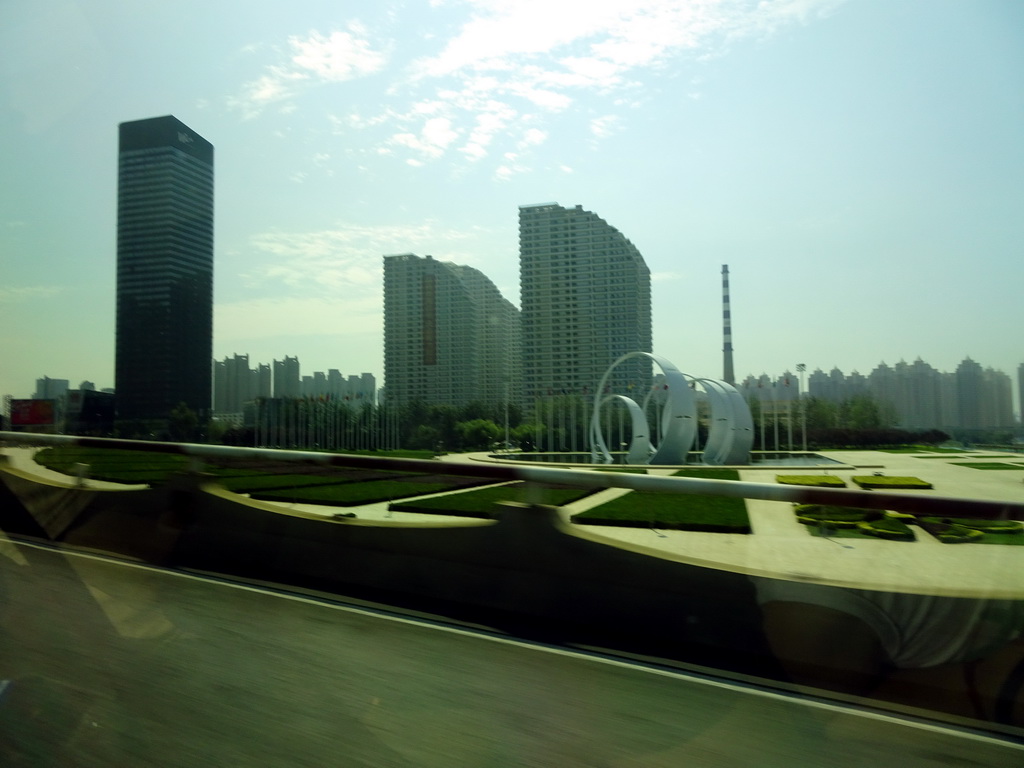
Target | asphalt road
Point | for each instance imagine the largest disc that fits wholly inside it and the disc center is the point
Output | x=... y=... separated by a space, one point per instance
x=108 y=664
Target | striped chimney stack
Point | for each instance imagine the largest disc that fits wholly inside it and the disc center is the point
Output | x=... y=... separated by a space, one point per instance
x=728 y=376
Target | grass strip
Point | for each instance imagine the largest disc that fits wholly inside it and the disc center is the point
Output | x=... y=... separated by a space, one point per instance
x=645 y=509
x=708 y=473
x=113 y=465
x=481 y=502
x=253 y=484
x=889 y=482
x=987 y=465
x=357 y=494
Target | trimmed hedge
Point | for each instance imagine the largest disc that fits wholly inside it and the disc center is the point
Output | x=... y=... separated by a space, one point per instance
x=957 y=530
x=890 y=482
x=829 y=520
x=838 y=517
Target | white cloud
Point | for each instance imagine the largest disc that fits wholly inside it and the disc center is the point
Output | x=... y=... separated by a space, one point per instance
x=16 y=293
x=605 y=126
x=347 y=258
x=513 y=64
x=338 y=57
x=533 y=137
x=315 y=59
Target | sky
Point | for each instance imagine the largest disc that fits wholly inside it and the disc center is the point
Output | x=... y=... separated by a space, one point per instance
x=859 y=166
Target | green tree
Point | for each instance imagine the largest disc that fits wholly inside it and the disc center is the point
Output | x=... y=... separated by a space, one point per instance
x=821 y=414
x=525 y=436
x=478 y=433
x=182 y=424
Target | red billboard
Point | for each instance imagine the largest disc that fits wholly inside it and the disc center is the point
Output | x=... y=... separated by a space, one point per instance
x=33 y=413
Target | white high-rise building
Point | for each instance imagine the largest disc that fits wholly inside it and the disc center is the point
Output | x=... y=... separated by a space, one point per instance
x=450 y=337
x=586 y=301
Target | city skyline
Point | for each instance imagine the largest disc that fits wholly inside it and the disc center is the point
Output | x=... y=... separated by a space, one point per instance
x=856 y=165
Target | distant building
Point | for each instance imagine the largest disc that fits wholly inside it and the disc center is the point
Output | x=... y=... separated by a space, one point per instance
x=164 y=270
x=969 y=384
x=921 y=397
x=235 y=384
x=586 y=301
x=88 y=412
x=287 y=379
x=450 y=337
x=50 y=389
x=1020 y=392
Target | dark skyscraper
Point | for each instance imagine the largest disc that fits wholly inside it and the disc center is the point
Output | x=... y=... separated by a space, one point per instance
x=164 y=270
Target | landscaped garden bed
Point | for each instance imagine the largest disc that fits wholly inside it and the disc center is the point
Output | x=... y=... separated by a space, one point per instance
x=888 y=482
x=958 y=530
x=845 y=522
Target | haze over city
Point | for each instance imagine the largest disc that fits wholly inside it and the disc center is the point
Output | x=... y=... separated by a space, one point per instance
x=856 y=164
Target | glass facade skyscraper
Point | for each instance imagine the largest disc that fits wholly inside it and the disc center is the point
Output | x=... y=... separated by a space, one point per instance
x=586 y=301
x=164 y=270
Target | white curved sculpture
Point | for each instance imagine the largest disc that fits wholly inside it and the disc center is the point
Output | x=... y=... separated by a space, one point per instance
x=639 y=444
x=730 y=437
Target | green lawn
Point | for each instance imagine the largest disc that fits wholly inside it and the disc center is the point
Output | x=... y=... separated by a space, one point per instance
x=987 y=465
x=113 y=465
x=257 y=483
x=708 y=473
x=643 y=509
x=371 y=492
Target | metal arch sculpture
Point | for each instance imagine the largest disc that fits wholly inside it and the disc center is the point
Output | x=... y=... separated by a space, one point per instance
x=678 y=418
x=731 y=434
x=639 y=444
x=730 y=437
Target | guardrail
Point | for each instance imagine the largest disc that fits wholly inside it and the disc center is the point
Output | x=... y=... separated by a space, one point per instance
x=911 y=502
